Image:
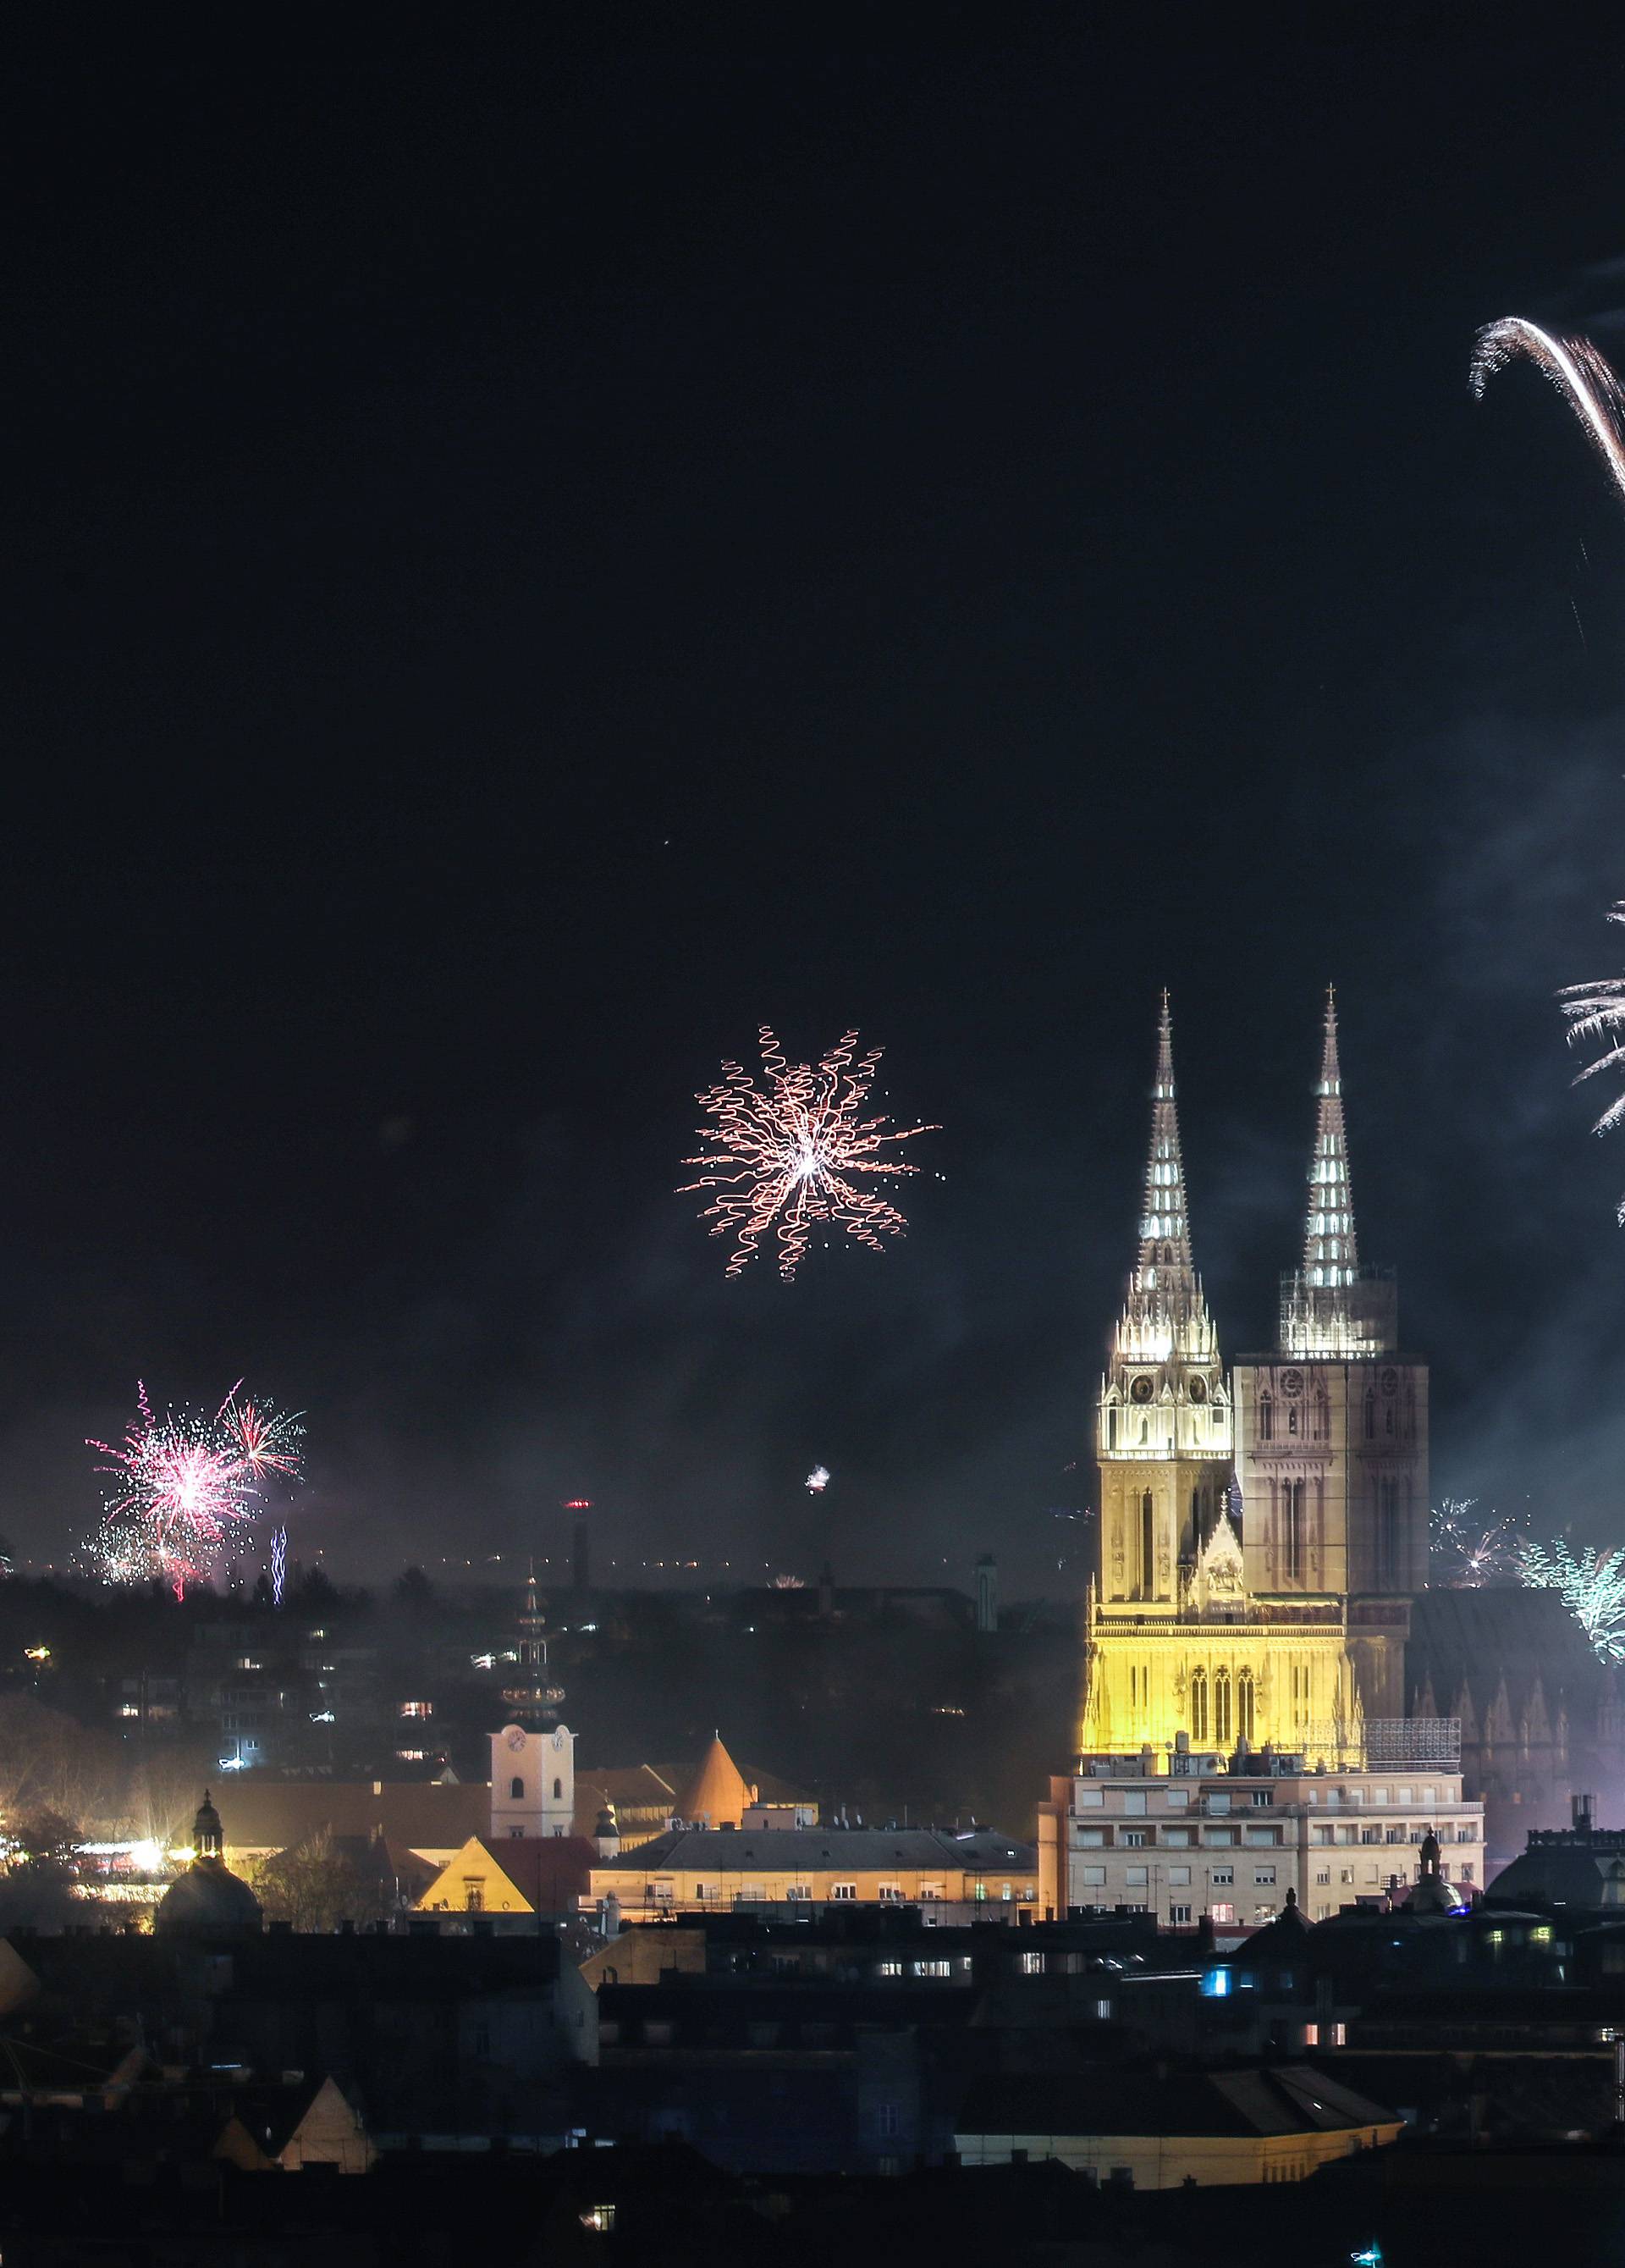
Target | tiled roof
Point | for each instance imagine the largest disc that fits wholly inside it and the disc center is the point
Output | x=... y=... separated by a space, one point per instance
x=718 y=1793
x=869 y=1850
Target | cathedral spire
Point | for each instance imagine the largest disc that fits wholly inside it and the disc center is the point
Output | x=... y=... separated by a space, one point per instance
x=1330 y=1257
x=1165 y=1223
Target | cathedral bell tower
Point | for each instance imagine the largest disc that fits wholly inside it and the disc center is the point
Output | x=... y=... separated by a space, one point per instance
x=1163 y=1436
x=534 y=1757
x=1332 y=1429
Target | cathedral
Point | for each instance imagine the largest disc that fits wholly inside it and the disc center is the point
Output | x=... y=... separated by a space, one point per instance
x=1263 y=1530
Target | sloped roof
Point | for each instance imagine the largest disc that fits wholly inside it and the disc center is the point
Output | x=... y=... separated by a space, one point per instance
x=272 y=1813
x=550 y=1872
x=790 y=1849
x=1288 y=2099
x=718 y=1793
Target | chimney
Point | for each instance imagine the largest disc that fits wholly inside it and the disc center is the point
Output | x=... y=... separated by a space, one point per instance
x=1581 y=1807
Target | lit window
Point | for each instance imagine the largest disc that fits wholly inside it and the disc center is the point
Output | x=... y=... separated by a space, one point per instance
x=417 y=1708
x=839 y=1890
x=600 y=2218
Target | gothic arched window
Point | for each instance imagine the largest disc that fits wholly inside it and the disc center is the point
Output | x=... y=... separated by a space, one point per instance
x=1292 y=1527
x=1244 y=1705
x=1111 y=1427
x=558 y=1790
x=1148 y=1547
x=1266 y=1418
x=1388 y=1531
x=1199 y=1704
x=1221 y=1708
x=519 y=1789
x=1370 y=1418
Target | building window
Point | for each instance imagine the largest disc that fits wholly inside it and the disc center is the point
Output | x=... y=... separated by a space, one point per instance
x=1178 y=1917
x=1292 y=1527
x=844 y=1890
x=1134 y=1838
x=1264 y=1877
x=1221 y=1877
x=936 y=1968
x=1134 y=1877
x=1244 y=1712
x=891 y=1894
x=1467 y=1873
x=1266 y=1418
x=1178 y=1876
x=1220 y=1912
x=1032 y=1964
x=887 y=2123
x=516 y=1791
x=1370 y=1418
x=558 y=1791
x=473 y=1894
x=1148 y=1548
x=1323 y=1877
x=1221 y=1708
x=1388 y=1527
x=1093 y=1877
x=1199 y=1704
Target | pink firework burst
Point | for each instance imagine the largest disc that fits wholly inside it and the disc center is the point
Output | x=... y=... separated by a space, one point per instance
x=183 y=1484
x=793 y=1150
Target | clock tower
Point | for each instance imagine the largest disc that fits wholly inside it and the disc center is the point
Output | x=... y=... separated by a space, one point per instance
x=534 y=1757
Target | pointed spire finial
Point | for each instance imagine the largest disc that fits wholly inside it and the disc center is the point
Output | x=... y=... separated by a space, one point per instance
x=1330 y=1254
x=1165 y=1223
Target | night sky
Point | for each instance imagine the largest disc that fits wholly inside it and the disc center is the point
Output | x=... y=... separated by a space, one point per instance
x=525 y=564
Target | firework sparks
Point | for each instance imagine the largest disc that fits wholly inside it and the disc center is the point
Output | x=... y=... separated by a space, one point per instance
x=1596 y=1011
x=184 y=1485
x=817 y=1481
x=1591 y=1584
x=788 y=1150
x=1468 y=1552
x=1596 y=1014
x=279 y=1565
x=1575 y=368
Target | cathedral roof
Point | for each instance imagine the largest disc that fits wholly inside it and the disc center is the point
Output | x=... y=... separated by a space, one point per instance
x=1471 y=1639
x=719 y=1792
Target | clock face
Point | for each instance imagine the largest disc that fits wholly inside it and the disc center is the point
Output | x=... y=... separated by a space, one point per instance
x=516 y=1739
x=1292 y=1383
x=1199 y=1389
x=1141 y=1390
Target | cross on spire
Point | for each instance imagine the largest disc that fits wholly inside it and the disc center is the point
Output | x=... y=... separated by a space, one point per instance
x=1330 y=1254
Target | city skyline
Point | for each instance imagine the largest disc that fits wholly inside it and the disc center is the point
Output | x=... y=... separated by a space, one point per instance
x=491 y=634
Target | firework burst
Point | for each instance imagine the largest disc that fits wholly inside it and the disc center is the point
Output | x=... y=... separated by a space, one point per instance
x=1591 y=1584
x=1575 y=368
x=1596 y=1014
x=792 y=1150
x=1468 y=1552
x=183 y=1484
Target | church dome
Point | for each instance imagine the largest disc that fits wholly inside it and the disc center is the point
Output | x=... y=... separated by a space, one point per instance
x=209 y=1900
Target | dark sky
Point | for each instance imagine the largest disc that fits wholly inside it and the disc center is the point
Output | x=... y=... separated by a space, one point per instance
x=525 y=564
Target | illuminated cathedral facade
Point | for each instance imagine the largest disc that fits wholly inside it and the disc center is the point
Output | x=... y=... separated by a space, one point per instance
x=1262 y=1530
